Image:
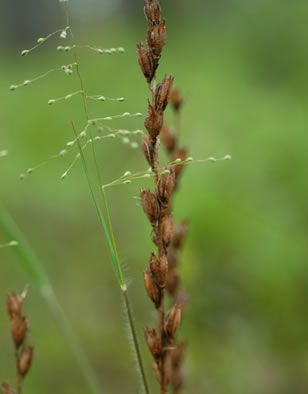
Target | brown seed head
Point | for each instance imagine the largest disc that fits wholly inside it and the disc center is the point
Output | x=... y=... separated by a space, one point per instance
x=7 y=388
x=145 y=60
x=159 y=269
x=157 y=38
x=150 y=206
x=179 y=154
x=166 y=186
x=166 y=229
x=163 y=92
x=153 y=341
x=176 y=99
x=152 y=11
x=14 y=304
x=154 y=122
x=19 y=328
x=152 y=289
x=25 y=360
x=173 y=321
x=180 y=234
x=168 y=137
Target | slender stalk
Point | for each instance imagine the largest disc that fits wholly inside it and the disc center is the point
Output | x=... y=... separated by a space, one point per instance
x=40 y=278
x=116 y=265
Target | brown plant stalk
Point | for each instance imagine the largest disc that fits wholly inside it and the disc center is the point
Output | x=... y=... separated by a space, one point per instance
x=19 y=331
x=157 y=204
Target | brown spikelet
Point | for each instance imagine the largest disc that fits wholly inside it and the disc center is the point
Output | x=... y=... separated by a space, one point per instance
x=180 y=234
x=154 y=121
x=172 y=281
x=25 y=360
x=7 y=388
x=152 y=289
x=149 y=149
x=177 y=378
x=152 y=11
x=14 y=304
x=19 y=327
x=173 y=321
x=179 y=154
x=166 y=186
x=168 y=138
x=150 y=206
x=157 y=370
x=154 y=342
x=159 y=269
x=163 y=92
x=167 y=229
x=176 y=99
x=157 y=38
x=146 y=62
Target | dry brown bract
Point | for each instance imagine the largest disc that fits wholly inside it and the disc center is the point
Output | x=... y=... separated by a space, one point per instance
x=19 y=331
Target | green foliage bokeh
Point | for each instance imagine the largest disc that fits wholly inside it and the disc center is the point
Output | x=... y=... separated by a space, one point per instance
x=242 y=68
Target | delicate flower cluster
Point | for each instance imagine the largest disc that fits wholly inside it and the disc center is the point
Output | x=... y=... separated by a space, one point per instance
x=19 y=331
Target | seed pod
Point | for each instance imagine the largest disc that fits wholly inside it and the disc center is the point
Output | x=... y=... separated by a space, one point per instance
x=19 y=328
x=172 y=258
x=25 y=360
x=159 y=269
x=172 y=281
x=180 y=234
x=145 y=60
x=152 y=289
x=178 y=353
x=14 y=304
x=163 y=92
x=166 y=228
x=177 y=379
x=173 y=321
x=157 y=371
x=165 y=187
x=168 y=137
x=181 y=298
x=152 y=11
x=167 y=368
x=176 y=99
x=157 y=38
x=150 y=206
x=7 y=388
x=179 y=154
x=154 y=122
x=153 y=341
x=149 y=149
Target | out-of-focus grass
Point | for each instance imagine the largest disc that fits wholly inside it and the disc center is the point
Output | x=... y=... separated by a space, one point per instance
x=244 y=78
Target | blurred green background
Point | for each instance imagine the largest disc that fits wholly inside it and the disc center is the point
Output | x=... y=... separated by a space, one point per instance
x=242 y=67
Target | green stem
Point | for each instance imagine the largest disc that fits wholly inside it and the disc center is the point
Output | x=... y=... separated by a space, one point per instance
x=40 y=278
x=109 y=235
x=116 y=264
